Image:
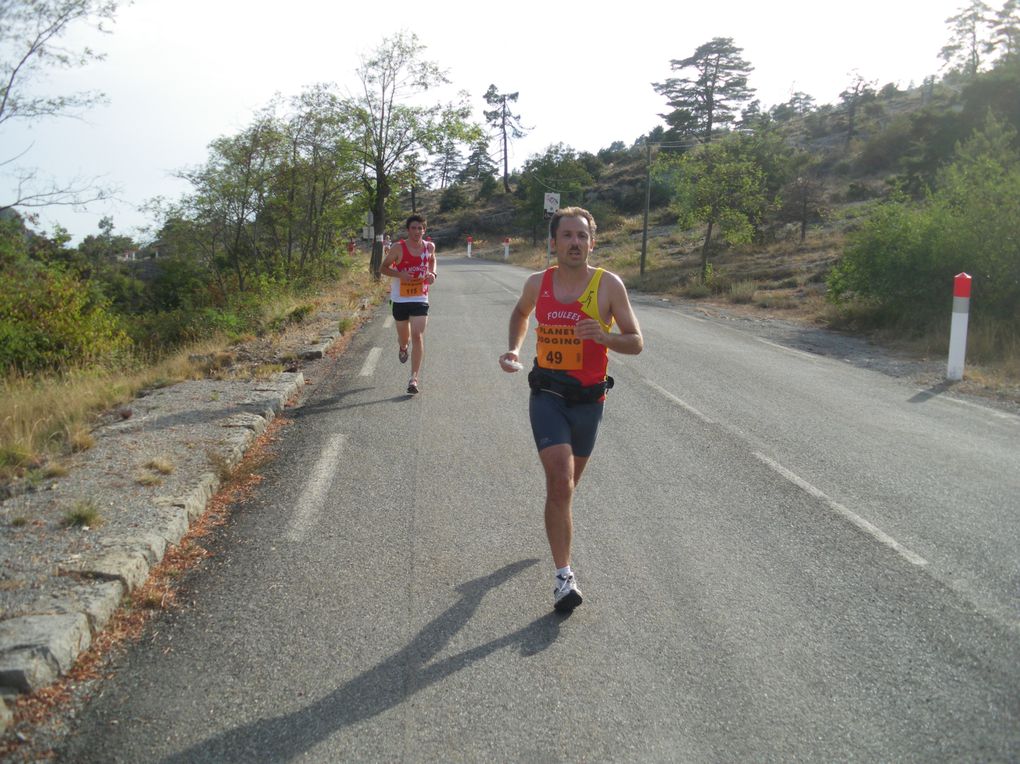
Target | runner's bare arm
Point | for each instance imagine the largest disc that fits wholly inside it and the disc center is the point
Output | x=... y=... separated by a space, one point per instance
x=433 y=274
x=519 y=319
x=386 y=269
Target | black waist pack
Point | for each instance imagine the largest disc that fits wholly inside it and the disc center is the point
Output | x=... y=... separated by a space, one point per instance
x=542 y=379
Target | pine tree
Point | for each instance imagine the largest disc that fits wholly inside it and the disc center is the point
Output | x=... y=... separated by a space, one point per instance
x=506 y=123
x=479 y=164
x=967 y=42
x=711 y=99
x=1006 y=30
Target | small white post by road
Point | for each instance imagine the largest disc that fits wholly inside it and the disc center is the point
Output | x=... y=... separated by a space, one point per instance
x=470 y=242
x=958 y=330
x=552 y=203
x=506 y=248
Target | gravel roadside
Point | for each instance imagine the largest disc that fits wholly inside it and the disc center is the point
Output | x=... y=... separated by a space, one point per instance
x=149 y=476
x=926 y=373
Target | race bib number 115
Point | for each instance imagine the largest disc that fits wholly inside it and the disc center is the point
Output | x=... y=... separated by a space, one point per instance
x=412 y=288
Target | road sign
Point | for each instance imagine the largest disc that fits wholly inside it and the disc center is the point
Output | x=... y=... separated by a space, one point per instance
x=552 y=203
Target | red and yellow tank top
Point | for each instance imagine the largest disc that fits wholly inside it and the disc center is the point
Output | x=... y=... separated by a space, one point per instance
x=556 y=347
x=414 y=290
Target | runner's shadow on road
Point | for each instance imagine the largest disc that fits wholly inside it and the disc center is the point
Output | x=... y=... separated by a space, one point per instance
x=932 y=392
x=381 y=688
x=337 y=403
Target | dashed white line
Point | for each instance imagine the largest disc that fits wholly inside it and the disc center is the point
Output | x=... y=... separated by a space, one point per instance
x=368 y=368
x=685 y=406
x=876 y=533
x=985 y=409
x=776 y=345
x=312 y=498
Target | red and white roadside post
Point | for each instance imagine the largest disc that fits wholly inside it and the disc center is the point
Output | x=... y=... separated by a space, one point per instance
x=506 y=248
x=958 y=330
x=470 y=242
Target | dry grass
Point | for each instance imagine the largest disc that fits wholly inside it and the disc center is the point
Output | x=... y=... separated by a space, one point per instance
x=45 y=417
x=84 y=514
x=266 y=370
x=742 y=292
x=161 y=465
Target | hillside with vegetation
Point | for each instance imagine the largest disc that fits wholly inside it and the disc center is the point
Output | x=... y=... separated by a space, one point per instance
x=854 y=215
x=857 y=216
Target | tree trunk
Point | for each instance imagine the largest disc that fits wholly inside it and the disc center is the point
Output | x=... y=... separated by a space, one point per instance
x=704 y=253
x=382 y=192
x=506 y=153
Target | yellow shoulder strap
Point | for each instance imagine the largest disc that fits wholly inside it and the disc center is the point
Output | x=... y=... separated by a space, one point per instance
x=589 y=299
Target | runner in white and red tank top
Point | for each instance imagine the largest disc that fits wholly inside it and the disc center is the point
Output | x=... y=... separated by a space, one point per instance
x=412 y=266
x=576 y=305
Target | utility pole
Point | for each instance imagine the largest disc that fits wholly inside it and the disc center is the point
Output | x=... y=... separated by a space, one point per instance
x=648 y=199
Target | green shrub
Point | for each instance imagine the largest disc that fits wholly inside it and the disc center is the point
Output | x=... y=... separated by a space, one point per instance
x=859 y=192
x=884 y=150
x=905 y=255
x=165 y=330
x=453 y=198
x=50 y=320
x=300 y=313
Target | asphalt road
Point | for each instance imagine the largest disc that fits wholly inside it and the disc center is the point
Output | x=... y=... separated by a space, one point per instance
x=784 y=557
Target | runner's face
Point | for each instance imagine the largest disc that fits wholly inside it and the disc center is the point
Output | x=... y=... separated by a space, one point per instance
x=573 y=241
x=415 y=231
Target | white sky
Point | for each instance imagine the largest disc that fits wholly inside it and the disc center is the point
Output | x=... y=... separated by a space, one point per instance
x=180 y=73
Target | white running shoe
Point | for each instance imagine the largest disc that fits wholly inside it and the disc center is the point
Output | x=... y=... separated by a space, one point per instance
x=566 y=595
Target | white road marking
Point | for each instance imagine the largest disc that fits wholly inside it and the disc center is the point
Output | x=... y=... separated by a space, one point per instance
x=985 y=409
x=312 y=498
x=368 y=368
x=685 y=406
x=689 y=317
x=776 y=345
x=860 y=522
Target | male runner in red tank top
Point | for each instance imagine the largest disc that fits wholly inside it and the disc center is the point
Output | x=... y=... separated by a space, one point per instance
x=575 y=305
x=412 y=265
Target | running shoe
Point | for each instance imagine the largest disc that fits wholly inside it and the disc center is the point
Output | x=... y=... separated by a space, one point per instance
x=402 y=355
x=566 y=595
x=412 y=387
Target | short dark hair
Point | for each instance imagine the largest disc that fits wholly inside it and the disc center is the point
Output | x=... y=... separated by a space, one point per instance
x=570 y=212
x=416 y=219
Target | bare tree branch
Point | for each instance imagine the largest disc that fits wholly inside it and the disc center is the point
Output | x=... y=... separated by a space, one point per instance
x=30 y=32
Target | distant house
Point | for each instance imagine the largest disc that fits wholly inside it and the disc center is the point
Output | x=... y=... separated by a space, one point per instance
x=128 y=255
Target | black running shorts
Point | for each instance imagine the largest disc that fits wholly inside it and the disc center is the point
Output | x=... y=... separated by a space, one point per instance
x=402 y=311
x=554 y=422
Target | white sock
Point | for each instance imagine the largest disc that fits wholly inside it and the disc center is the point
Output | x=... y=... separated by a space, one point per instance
x=564 y=572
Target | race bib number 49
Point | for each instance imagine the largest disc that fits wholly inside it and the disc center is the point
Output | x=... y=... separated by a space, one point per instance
x=412 y=288
x=558 y=348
